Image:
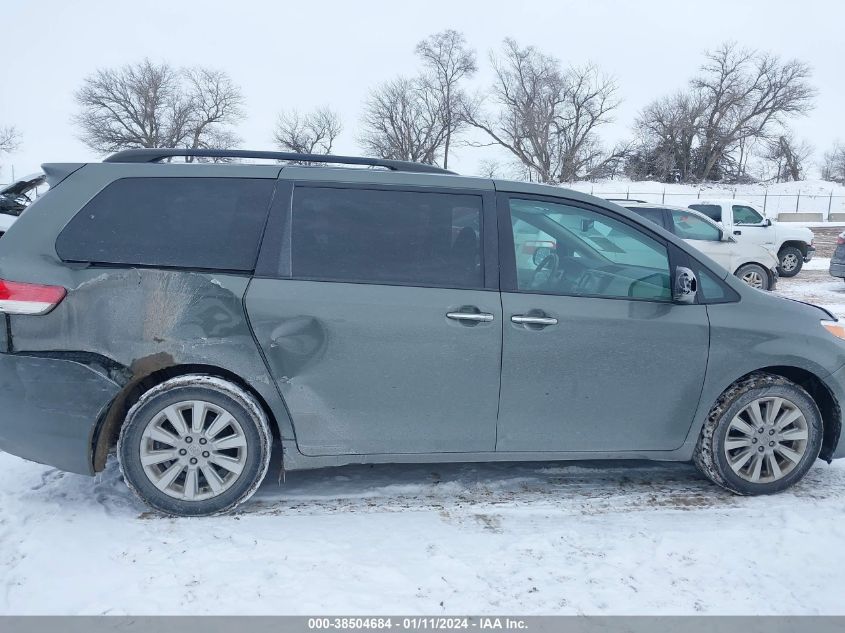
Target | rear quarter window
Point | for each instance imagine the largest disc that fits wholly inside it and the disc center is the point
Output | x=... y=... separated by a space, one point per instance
x=205 y=223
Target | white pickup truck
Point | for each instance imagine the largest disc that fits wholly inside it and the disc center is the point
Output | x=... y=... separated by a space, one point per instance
x=792 y=244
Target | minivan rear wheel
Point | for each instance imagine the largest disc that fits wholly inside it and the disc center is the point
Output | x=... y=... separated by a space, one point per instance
x=762 y=435
x=195 y=445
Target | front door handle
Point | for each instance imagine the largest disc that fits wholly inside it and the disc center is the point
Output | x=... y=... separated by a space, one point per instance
x=525 y=319
x=477 y=317
x=737 y=232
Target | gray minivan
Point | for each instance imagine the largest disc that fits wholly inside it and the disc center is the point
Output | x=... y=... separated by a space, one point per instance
x=191 y=315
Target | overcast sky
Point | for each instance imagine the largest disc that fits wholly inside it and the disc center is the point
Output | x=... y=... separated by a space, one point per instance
x=306 y=54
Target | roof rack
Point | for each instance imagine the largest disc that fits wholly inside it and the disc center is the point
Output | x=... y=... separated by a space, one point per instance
x=628 y=200
x=154 y=155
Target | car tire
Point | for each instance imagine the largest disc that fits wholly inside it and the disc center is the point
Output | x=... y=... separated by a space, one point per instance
x=754 y=275
x=791 y=261
x=185 y=469
x=729 y=448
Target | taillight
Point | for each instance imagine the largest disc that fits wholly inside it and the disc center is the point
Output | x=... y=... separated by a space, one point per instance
x=22 y=298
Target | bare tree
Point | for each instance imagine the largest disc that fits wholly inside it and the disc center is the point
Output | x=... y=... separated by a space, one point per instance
x=747 y=95
x=403 y=120
x=215 y=103
x=448 y=61
x=738 y=104
x=150 y=105
x=833 y=167
x=548 y=117
x=489 y=168
x=787 y=156
x=9 y=139
x=667 y=131
x=310 y=133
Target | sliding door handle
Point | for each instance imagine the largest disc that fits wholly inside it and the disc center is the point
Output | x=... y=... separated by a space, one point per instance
x=478 y=317
x=524 y=319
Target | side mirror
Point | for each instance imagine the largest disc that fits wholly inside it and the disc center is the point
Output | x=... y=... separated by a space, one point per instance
x=767 y=222
x=685 y=286
x=724 y=236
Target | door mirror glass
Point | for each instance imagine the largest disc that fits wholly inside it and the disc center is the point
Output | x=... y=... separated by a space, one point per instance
x=686 y=285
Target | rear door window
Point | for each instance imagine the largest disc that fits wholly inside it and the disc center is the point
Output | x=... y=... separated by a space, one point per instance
x=712 y=211
x=203 y=223
x=387 y=237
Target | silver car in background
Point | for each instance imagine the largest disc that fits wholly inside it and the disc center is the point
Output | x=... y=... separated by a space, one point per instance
x=752 y=263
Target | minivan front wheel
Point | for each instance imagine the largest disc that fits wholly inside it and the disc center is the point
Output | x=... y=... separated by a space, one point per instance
x=195 y=445
x=762 y=436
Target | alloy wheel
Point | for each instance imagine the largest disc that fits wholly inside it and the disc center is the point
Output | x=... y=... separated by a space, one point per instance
x=789 y=262
x=193 y=450
x=766 y=440
x=753 y=279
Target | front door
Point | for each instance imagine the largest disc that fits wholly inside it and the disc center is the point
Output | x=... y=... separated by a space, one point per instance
x=596 y=356
x=750 y=226
x=377 y=323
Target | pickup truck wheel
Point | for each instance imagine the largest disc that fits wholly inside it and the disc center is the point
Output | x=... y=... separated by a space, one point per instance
x=762 y=436
x=195 y=445
x=791 y=261
x=754 y=275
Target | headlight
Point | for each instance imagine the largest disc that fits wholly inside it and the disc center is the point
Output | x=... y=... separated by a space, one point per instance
x=834 y=327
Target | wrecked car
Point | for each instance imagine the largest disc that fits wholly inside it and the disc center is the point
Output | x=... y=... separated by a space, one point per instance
x=16 y=197
x=189 y=317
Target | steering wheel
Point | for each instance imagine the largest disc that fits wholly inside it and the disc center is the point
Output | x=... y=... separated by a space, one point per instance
x=551 y=262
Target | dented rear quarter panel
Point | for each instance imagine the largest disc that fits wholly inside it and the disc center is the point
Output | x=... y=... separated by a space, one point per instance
x=140 y=319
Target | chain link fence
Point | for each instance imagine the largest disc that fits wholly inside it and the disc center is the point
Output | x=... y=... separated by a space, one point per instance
x=824 y=206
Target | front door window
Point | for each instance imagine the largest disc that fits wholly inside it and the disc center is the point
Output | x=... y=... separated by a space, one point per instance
x=746 y=215
x=585 y=253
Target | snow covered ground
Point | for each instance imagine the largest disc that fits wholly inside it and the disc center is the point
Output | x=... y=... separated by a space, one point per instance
x=537 y=538
x=815 y=285
x=504 y=538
